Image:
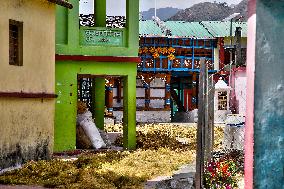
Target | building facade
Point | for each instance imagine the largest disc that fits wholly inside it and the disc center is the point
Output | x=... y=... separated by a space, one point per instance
x=92 y=56
x=27 y=77
x=168 y=73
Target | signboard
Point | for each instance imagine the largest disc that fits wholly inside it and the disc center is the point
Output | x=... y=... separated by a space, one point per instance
x=102 y=37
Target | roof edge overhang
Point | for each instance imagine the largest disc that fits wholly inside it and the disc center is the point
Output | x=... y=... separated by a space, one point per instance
x=62 y=3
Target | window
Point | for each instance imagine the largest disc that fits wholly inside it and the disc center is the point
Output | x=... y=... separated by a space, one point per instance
x=87 y=13
x=222 y=100
x=116 y=13
x=15 y=43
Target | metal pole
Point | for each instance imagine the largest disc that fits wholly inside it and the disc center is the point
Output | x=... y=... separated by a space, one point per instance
x=155 y=8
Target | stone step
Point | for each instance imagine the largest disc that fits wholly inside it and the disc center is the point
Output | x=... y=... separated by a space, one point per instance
x=181 y=179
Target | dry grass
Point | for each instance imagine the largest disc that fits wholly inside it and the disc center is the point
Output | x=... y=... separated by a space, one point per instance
x=104 y=170
x=125 y=170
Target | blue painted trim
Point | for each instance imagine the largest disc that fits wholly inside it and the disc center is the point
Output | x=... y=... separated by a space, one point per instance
x=108 y=88
x=168 y=101
x=168 y=87
x=146 y=85
x=242 y=124
x=173 y=70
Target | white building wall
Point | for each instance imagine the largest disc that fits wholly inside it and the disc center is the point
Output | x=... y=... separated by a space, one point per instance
x=240 y=90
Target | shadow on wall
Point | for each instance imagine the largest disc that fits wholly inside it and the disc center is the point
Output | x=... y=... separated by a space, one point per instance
x=17 y=155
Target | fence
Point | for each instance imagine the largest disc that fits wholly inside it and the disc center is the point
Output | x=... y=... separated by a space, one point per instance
x=221 y=105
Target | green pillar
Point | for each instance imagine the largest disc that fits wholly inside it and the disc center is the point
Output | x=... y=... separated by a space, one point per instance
x=73 y=24
x=99 y=102
x=100 y=13
x=132 y=23
x=129 y=112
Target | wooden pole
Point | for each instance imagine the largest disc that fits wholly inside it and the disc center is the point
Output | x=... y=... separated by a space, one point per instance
x=200 y=129
x=147 y=96
x=207 y=133
x=194 y=90
x=109 y=96
x=210 y=135
x=168 y=92
x=119 y=89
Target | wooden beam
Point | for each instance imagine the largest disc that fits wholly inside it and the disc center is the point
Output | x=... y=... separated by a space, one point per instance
x=147 y=97
x=27 y=95
x=168 y=92
x=119 y=89
x=194 y=90
x=221 y=54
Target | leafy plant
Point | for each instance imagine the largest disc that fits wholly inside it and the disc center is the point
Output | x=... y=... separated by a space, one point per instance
x=220 y=175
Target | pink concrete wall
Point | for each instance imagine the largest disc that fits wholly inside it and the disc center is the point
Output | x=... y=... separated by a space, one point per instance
x=250 y=95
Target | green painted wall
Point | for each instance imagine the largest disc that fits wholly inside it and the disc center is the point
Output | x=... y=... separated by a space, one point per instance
x=66 y=103
x=71 y=32
x=69 y=42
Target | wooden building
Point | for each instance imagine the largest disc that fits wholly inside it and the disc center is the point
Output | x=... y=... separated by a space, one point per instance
x=170 y=53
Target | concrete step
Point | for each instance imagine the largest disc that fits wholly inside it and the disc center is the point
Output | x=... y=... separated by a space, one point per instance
x=181 y=179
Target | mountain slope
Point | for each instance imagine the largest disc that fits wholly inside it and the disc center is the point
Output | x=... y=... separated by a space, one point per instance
x=162 y=13
x=210 y=11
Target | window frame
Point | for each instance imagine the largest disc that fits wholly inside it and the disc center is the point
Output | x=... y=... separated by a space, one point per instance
x=18 y=61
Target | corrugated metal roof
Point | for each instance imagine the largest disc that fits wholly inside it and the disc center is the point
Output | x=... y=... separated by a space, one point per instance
x=149 y=28
x=202 y=30
x=187 y=29
x=222 y=29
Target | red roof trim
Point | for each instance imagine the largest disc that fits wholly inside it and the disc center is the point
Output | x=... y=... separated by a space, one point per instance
x=98 y=58
x=27 y=95
x=62 y=3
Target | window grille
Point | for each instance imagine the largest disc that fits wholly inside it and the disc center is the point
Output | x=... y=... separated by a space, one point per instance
x=222 y=100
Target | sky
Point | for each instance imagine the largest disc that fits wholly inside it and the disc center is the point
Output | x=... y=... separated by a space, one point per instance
x=117 y=7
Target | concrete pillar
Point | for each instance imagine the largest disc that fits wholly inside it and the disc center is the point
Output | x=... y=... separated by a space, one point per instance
x=264 y=136
x=100 y=13
x=99 y=91
x=73 y=27
x=129 y=112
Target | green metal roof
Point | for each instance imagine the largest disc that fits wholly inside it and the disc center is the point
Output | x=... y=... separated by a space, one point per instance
x=187 y=29
x=222 y=29
x=202 y=30
x=149 y=28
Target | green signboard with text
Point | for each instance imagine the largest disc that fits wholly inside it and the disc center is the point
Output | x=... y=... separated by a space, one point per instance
x=101 y=37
